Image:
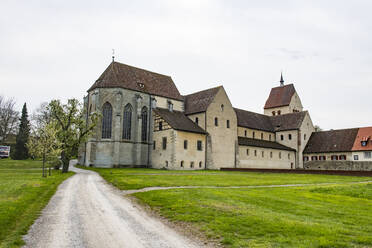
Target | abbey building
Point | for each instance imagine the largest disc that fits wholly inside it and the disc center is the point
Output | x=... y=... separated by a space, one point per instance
x=146 y=122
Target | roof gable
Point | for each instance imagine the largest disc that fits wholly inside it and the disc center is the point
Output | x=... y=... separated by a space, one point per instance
x=198 y=102
x=119 y=75
x=280 y=96
x=332 y=141
x=253 y=120
x=179 y=121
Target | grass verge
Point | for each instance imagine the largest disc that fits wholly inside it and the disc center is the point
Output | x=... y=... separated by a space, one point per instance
x=23 y=194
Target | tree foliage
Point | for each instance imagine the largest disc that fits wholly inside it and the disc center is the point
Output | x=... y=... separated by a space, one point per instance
x=21 y=150
x=43 y=143
x=8 y=118
x=72 y=127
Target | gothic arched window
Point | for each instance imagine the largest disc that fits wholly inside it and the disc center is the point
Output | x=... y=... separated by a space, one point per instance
x=127 y=122
x=106 y=120
x=144 y=124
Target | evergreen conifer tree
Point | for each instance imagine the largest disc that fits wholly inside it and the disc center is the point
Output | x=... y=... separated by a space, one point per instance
x=21 y=151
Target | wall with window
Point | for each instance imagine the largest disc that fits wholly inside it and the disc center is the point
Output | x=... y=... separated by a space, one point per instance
x=328 y=156
x=362 y=156
x=288 y=138
x=222 y=141
x=199 y=119
x=265 y=158
x=256 y=134
x=173 y=155
x=162 y=102
x=122 y=136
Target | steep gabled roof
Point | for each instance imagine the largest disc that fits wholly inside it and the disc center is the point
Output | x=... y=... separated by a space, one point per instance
x=243 y=141
x=119 y=75
x=253 y=120
x=198 y=102
x=290 y=121
x=332 y=141
x=280 y=96
x=179 y=121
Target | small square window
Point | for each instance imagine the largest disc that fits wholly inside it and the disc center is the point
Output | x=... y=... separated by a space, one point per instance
x=356 y=157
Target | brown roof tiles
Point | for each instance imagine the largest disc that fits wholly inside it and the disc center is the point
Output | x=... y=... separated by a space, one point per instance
x=253 y=120
x=198 y=102
x=331 y=141
x=179 y=121
x=243 y=141
x=364 y=134
x=119 y=75
x=280 y=96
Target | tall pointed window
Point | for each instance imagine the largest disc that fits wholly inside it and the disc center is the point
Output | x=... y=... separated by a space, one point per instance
x=106 y=120
x=127 y=122
x=144 y=124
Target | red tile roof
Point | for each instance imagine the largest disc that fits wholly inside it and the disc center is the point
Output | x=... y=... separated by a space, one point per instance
x=119 y=75
x=280 y=96
x=364 y=134
x=198 y=102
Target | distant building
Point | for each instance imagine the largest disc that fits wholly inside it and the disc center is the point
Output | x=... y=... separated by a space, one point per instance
x=146 y=122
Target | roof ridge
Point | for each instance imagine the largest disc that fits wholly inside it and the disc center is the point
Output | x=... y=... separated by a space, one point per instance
x=198 y=92
x=141 y=69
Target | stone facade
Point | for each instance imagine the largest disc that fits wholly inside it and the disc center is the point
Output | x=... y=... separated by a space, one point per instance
x=197 y=131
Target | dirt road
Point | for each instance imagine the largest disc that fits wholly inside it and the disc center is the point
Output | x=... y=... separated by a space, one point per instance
x=87 y=212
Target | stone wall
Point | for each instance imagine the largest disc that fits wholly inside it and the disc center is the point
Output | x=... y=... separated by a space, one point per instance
x=338 y=165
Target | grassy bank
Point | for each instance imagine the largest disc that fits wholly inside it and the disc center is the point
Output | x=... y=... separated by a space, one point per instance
x=327 y=216
x=141 y=178
x=310 y=216
x=23 y=194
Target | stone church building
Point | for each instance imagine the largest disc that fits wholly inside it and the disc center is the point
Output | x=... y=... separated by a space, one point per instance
x=146 y=122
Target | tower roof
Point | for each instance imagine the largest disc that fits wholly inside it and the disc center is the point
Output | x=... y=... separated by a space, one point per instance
x=280 y=96
x=118 y=75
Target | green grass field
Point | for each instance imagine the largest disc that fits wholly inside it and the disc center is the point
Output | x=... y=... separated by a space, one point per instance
x=338 y=215
x=23 y=194
x=140 y=178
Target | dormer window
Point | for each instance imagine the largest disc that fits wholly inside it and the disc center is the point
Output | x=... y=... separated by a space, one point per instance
x=365 y=140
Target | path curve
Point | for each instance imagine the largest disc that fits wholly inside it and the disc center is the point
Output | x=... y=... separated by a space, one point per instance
x=88 y=212
x=132 y=191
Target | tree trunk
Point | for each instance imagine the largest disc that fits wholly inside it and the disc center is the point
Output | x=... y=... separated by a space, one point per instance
x=65 y=162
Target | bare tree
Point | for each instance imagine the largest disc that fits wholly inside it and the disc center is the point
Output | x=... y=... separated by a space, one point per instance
x=8 y=117
x=41 y=116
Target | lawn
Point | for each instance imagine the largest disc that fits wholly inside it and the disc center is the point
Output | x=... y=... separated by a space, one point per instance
x=327 y=216
x=140 y=178
x=338 y=215
x=23 y=194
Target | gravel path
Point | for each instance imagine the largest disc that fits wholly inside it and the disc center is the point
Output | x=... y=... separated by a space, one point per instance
x=87 y=212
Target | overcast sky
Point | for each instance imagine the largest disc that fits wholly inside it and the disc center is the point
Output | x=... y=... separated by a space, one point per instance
x=57 y=49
